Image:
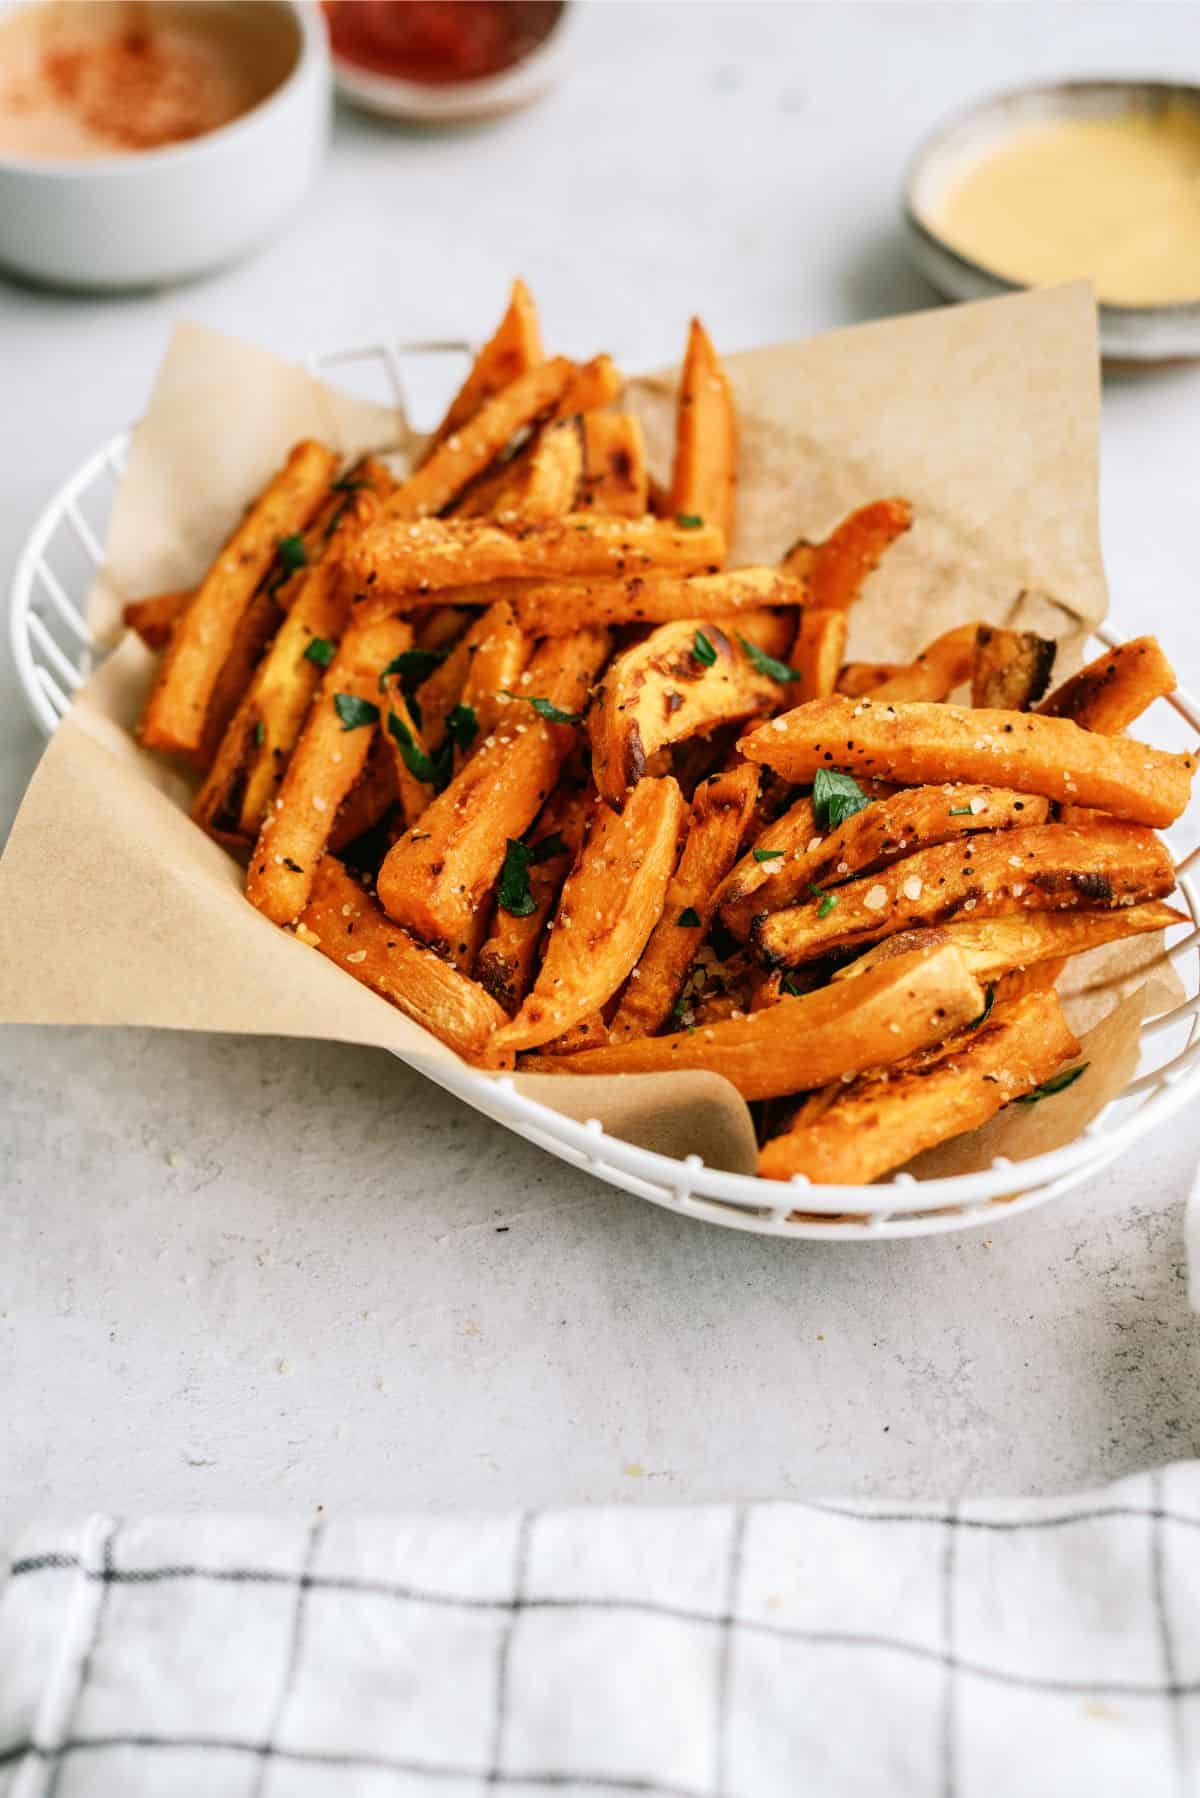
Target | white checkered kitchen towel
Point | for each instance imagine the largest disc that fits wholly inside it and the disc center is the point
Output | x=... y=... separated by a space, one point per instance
x=760 y=1651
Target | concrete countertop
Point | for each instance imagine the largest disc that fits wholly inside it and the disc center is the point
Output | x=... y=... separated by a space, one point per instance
x=276 y=1274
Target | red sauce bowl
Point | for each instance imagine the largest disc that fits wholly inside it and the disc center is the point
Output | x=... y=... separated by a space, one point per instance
x=445 y=61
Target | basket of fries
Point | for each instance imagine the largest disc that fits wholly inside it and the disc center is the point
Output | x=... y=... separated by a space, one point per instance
x=505 y=737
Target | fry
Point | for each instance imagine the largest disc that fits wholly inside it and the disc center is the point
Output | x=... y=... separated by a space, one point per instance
x=513 y=349
x=436 y=881
x=500 y=650
x=812 y=1039
x=409 y=561
x=944 y=665
x=204 y=634
x=255 y=629
x=555 y=609
x=1044 y=867
x=610 y=903
x=468 y=450
x=592 y=385
x=883 y=1119
x=154 y=618
x=992 y=946
x=1012 y=669
x=544 y=481
x=615 y=476
x=254 y=751
x=817 y=652
x=911 y=819
x=720 y=810
x=505 y=964
x=369 y=799
x=347 y=925
x=590 y=1033
x=704 y=475
x=927 y=743
x=327 y=760
x=857 y=678
x=1116 y=688
x=684 y=679
x=837 y=568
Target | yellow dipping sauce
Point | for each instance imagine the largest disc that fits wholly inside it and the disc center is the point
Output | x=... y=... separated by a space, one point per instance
x=1116 y=200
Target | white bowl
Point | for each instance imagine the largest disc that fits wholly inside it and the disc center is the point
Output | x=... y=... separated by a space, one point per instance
x=460 y=102
x=153 y=216
x=1145 y=334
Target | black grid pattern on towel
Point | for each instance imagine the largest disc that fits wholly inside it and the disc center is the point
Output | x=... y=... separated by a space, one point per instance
x=726 y=1625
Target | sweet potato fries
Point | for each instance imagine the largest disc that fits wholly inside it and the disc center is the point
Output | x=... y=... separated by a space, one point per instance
x=514 y=739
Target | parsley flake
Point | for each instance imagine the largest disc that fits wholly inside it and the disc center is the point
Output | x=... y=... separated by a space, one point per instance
x=959 y=811
x=320 y=651
x=419 y=765
x=412 y=665
x=260 y=733
x=768 y=855
x=689 y=521
x=689 y=918
x=353 y=711
x=544 y=708
x=1057 y=1083
x=291 y=556
x=788 y=985
x=703 y=650
x=513 y=892
x=827 y=904
x=835 y=798
x=765 y=664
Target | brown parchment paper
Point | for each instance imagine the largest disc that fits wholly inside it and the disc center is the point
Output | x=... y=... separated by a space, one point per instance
x=115 y=909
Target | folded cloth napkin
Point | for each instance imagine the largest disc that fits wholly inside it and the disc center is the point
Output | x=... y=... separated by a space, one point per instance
x=1048 y=1647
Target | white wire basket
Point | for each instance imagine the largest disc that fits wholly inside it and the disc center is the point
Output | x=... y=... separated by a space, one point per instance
x=54 y=652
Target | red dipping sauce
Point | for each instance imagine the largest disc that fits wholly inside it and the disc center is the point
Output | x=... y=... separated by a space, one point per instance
x=439 y=42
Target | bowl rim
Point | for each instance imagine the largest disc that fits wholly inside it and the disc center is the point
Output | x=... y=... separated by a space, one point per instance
x=996 y=101
x=312 y=52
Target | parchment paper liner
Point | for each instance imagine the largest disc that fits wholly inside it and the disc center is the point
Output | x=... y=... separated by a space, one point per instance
x=115 y=909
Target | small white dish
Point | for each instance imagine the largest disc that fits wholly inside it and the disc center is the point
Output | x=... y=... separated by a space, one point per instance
x=1146 y=334
x=460 y=102
x=154 y=216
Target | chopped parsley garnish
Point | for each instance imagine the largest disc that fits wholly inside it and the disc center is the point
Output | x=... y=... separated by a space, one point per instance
x=419 y=765
x=827 y=904
x=986 y=1013
x=320 y=651
x=835 y=798
x=959 y=811
x=291 y=556
x=768 y=855
x=412 y=665
x=462 y=726
x=353 y=711
x=260 y=733
x=765 y=664
x=788 y=985
x=1057 y=1083
x=513 y=892
x=703 y=650
x=689 y=521
x=544 y=708
x=689 y=918
x=545 y=847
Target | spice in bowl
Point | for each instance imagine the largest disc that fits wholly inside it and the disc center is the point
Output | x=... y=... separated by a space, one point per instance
x=116 y=77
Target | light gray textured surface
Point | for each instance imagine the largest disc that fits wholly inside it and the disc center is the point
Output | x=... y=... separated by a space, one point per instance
x=278 y=1274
